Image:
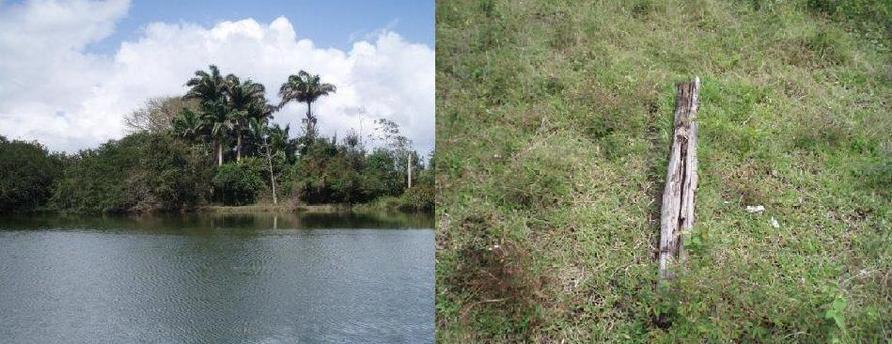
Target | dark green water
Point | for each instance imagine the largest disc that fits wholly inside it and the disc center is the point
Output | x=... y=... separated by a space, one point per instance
x=217 y=279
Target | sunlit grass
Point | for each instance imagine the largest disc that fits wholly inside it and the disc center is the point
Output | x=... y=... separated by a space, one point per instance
x=553 y=124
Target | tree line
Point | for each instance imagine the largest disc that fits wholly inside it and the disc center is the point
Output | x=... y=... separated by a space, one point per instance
x=217 y=144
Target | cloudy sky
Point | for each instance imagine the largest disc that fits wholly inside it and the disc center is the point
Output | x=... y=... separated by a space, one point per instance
x=71 y=70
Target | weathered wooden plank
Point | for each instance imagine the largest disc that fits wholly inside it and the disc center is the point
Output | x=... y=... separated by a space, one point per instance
x=677 y=215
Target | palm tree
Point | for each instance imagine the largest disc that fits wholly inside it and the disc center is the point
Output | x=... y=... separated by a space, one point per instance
x=278 y=139
x=209 y=89
x=305 y=88
x=188 y=125
x=246 y=101
x=220 y=124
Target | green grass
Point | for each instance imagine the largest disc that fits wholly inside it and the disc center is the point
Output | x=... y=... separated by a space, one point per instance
x=553 y=126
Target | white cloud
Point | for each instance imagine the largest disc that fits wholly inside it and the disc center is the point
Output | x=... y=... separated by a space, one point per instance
x=52 y=90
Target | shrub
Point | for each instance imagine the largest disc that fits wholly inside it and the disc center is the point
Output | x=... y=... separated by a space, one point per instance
x=238 y=183
x=328 y=173
x=379 y=175
x=422 y=195
x=140 y=172
x=27 y=174
x=418 y=198
x=172 y=173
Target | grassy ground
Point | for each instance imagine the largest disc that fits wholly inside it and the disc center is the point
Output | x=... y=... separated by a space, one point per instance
x=553 y=125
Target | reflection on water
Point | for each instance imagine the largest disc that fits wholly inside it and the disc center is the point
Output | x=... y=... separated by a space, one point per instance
x=209 y=221
x=201 y=278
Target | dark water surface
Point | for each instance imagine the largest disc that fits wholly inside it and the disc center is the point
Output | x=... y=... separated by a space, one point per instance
x=259 y=278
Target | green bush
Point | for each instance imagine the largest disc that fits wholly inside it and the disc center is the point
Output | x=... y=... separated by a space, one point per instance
x=380 y=176
x=172 y=173
x=238 y=183
x=140 y=172
x=314 y=173
x=422 y=195
x=27 y=174
x=418 y=198
x=331 y=173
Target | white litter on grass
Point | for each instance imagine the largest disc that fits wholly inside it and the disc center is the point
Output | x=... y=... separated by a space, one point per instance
x=755 y=209
x=774 y=223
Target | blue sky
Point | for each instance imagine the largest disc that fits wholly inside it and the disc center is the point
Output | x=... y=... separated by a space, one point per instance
x=89 y=63
x=330 y=24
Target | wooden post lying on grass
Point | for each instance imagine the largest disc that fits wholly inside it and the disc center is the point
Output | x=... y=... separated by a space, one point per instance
x=677 y=214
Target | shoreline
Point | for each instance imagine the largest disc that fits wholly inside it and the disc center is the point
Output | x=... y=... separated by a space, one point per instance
x=270 y=208
x=238 y=209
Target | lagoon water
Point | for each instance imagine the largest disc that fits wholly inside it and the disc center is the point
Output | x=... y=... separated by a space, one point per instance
x=260 y=278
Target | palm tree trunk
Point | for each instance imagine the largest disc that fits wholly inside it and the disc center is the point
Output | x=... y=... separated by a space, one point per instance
x=238 y=148
x=219 y=153
x=310 y=125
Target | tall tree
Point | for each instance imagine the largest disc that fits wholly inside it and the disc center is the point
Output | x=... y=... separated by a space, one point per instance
x=246 y=101
x=274 y=142
x=219 y=124
x=279 y=141
x=305 y=88
x=158 y=114
x=189 y=125
x=209 y=88
x=400 y=146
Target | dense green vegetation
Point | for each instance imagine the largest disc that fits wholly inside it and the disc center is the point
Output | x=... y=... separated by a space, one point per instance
x=143 y=171
x=553 y=130
x=216 y=145
x=27 y=174
x=238 y=183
